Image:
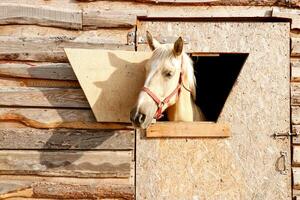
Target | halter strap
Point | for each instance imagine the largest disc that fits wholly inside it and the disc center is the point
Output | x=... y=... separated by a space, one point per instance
x=160 y=104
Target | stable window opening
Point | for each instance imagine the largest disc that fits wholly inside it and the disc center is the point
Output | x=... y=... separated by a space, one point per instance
x=216 y=76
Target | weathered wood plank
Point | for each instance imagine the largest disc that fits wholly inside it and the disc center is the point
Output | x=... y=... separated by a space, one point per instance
x=295 y=49
x=296 y=155
x=93 y=19
x=30 y=138
x=67 y=191
x=15 y=187
x=29 y=82
x=296 y=177
x=16 y=13
x=57 y=118
x=53 y=71
x=187 y=129
x=43 y=97
x=294 y=15
x=295 y=94
x=296 y=129
x=98 y=164
x=49 y=48
x=295 y=115
x=292 y=3
x=295 y=69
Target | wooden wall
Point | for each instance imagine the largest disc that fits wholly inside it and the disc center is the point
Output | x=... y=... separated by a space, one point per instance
x=50 y=144
x=295 y=108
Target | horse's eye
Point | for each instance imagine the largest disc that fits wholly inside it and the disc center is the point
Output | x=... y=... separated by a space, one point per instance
x=169 y=74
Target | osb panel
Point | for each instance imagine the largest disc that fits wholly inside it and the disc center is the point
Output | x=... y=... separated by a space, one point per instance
x=244 y=165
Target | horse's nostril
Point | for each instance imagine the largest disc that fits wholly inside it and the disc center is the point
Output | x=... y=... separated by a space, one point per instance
x=141 y=118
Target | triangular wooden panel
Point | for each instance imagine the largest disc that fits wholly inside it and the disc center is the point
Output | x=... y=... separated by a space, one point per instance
x=111 y=80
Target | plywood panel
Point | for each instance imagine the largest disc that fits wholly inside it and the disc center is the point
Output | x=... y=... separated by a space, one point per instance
x=242 y=166
x=31 y=138
x=111 y=80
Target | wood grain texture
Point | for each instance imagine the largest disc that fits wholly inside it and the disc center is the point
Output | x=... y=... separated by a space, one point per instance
x=30 y=138
x=74 y=191
x=30 y=82
x=292 y=3
x=295 y=115
x=296 y=155
x=19 y=187
x=296 y=178
x=295 y=49
x=187 y=129
x=42 y=97
x=51 y=71
x=296 y=139
x=93 y=19
x=57 y=118
x=49 y=48
x=295 y=94
x=16 y=13
x=295 y=69
x=293 y=15
x=100 y=164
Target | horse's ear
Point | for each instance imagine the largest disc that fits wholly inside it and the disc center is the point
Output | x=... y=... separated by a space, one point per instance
x=178 y=47
x=153 y=43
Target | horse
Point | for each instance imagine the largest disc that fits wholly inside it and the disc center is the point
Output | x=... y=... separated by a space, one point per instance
x=169 y=85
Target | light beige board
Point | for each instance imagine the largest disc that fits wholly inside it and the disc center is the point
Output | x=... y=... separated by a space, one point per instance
x=111 y=80
x=187 y=130
x=245 y=166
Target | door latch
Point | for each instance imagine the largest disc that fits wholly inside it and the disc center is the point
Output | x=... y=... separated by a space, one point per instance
x=282 y=168
x=283 y=135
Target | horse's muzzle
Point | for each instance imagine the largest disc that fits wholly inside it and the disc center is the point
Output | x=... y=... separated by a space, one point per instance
x=138 y=119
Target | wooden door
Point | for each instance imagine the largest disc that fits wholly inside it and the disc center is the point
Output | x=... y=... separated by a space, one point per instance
x=247 y=165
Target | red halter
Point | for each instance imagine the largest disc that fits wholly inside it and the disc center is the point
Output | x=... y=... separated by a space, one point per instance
x=160 y=104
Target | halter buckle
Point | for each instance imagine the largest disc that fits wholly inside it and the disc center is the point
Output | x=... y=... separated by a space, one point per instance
x=161 y=104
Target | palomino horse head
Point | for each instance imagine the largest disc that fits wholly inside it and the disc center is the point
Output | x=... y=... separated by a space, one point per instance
x=168 y=69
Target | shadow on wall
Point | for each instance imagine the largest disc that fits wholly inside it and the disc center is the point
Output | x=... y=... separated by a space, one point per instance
x=121 y=89
x=74 y=141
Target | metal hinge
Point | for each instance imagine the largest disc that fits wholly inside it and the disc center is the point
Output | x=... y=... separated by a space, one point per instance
x=131 y=38
x=284 y=135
